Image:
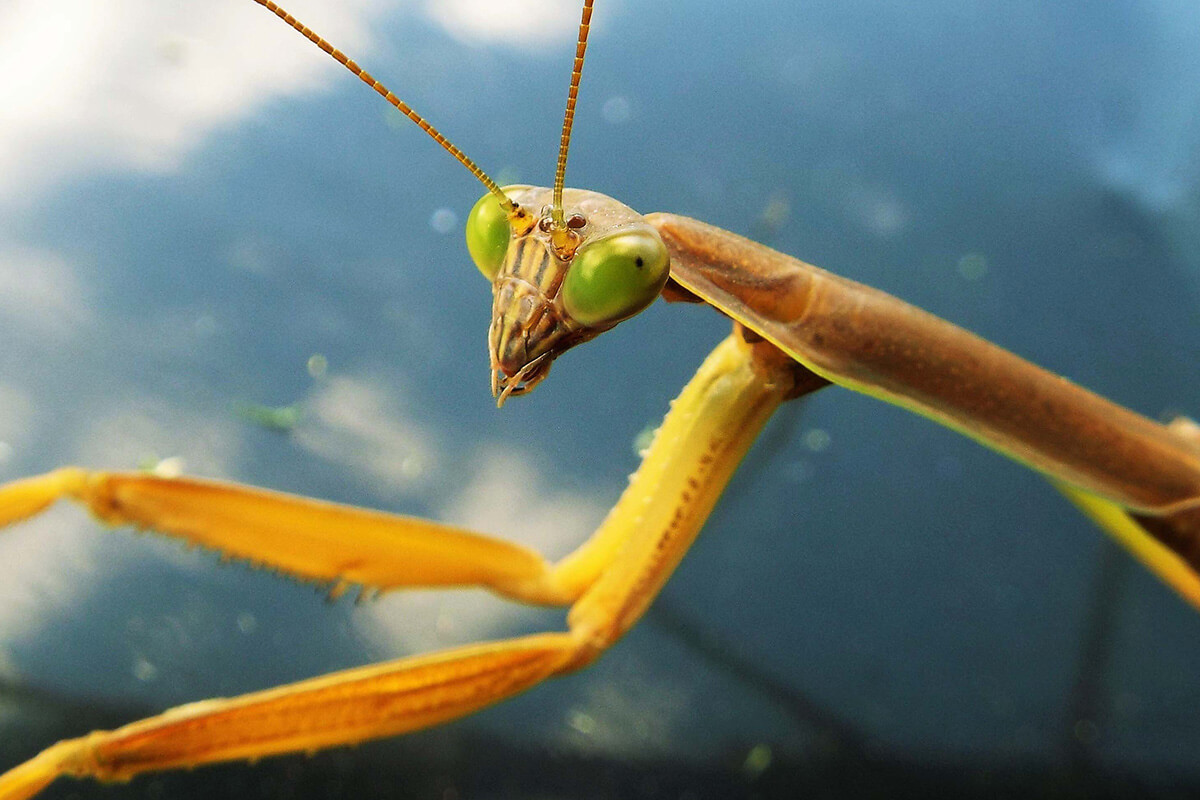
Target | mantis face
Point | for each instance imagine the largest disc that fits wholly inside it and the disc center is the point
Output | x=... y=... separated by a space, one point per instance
x=556 y=286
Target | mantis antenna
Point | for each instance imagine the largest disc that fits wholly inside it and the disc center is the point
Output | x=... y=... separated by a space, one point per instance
x=511 y=208
x=556 y=209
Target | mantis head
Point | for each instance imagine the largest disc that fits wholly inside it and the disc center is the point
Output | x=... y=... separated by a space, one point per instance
x=565 y=265
x=556 y=285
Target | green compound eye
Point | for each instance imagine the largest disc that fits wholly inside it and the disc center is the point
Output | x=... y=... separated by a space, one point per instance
x=615 y=277
x=487 y=235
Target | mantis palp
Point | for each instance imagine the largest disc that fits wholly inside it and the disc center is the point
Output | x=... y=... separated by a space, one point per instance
x=1161 y=439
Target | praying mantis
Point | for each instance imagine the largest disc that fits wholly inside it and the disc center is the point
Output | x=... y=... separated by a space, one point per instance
x=534 y=202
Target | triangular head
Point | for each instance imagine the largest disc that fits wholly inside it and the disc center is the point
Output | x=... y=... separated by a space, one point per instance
x=554 y=286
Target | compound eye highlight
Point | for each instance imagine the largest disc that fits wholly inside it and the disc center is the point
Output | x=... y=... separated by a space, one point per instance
x=615 y=277
x=488 y=233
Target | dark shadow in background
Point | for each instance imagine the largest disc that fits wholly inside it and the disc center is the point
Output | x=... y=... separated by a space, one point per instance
x=447 y=765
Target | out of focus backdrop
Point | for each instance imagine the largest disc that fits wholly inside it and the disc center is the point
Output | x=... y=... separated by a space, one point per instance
x=219 y=250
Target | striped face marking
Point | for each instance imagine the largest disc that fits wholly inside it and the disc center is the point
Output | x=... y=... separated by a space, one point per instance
x=531 y=322
x=528 y=328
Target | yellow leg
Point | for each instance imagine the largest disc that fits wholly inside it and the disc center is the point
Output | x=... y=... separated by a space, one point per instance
x=306 y=538
x=708 y=430
x=1123 y=526
x=337 y=709
x=1169 y=546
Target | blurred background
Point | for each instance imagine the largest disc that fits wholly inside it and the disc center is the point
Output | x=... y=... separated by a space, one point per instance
x=220 y=250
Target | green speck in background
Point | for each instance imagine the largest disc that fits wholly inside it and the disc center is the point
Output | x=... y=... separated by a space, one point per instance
x=317 y=365
x=281 y=418
x=757 y=761
x=972 y=266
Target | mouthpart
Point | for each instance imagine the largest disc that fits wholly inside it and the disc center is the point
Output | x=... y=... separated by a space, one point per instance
x=522 y=381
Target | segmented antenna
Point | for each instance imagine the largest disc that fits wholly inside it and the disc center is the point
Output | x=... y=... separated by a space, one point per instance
x=508 y=205
x=556 y=209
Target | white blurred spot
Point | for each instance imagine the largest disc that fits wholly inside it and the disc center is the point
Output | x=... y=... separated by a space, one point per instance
x=443 y=221
x=972 y=266
x=520 y=23
x=103 y=84
x=616 y=110
x=46 y=565
x=97 y=85
x=144 y=671
x=171 y=467
x=817 y=440
x=358 y=425
x=508 y=497
x=582 y=722
x=247 y=623
x=645 y=438
x=317 y=365
x=877 y=209
x=40 y=293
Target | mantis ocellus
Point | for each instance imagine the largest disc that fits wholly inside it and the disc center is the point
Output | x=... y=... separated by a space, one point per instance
x=566 y=265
